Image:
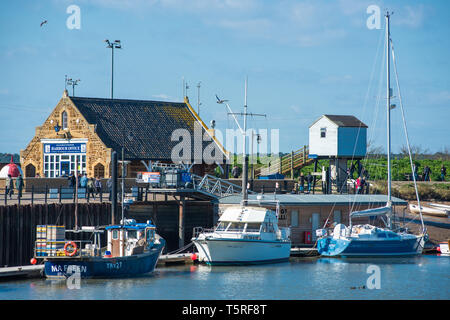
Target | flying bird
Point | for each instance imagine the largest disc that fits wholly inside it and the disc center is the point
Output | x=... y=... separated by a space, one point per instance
x=43 y=22
x=220 y=101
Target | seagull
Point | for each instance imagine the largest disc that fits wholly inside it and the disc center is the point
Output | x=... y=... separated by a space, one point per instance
x=43 y=22
x=220 y=101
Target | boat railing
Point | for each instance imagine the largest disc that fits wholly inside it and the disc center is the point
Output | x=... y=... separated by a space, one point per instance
x=198 y=230
x=65 y=249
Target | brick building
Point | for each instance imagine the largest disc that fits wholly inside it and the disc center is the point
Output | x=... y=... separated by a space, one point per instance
x=86 y=131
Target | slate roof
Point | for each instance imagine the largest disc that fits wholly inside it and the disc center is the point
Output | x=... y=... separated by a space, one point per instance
x=343 y=121
x=144 y=128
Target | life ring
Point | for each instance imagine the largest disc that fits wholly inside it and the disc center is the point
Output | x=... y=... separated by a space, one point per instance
x=73 y=250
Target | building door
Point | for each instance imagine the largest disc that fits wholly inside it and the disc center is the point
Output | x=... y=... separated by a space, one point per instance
x=315 y=224
x=294 y=218
x=65 y=168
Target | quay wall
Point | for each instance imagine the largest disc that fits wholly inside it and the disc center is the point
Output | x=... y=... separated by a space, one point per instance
x=18 y=223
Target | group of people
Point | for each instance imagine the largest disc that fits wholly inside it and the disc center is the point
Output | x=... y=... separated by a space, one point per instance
x=309 y=179
x=93 y=186
x=9 y=186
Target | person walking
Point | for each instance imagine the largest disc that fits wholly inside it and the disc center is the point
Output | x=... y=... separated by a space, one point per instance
x=19 y=186
x=235 y=172
x=109 y=185
x=358 y=185
x=443 y=172
x=309 y=180
x=426 y=173
x=83 y=181
x=9 y=186
x=72 y=180
x=98 y=186
x=90 y=187
x=301 y=183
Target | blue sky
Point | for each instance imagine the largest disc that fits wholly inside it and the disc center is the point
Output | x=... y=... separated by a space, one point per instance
x=302 y=58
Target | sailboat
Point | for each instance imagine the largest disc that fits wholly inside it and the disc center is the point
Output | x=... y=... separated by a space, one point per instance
x=369 y=240
x=132 y=248
x=246 y=234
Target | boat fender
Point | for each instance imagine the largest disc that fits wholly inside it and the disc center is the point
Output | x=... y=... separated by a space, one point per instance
x=72 y=247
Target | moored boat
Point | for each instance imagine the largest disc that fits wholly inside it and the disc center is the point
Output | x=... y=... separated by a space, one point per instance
x=443 y=247
x=132 y=249
x=244 y=235
x=438 y=212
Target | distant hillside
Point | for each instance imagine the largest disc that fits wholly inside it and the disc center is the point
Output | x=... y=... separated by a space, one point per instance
x=6 y=158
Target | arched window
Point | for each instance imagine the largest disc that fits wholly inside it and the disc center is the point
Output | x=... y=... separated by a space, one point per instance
x=64 y=120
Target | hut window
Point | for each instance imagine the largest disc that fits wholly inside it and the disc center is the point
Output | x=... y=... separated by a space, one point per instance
x=115 y=234
x=323 y=132
x=64 y=120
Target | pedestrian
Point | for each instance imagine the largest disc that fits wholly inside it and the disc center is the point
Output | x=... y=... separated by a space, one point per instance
x=443 y=172
x=309 y=180
x=358 y=185
x=9 y=186
x=98 y=185
x=416 y=173
x=362 y=185
x=427 y=174
x=90 y=187
x=83 y=181
x=72 y=180
x=19 y=186
x=301 y=182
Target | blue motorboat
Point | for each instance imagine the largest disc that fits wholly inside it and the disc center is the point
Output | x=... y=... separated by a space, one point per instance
x=132 y=249
x=366 y=239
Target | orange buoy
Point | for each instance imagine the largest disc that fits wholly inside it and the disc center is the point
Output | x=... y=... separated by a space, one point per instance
x=193 y=257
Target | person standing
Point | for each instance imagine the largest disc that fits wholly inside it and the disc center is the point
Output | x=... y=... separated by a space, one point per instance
x=301 y=182
x=426 y=173
x=83 y=181
x=72 y=180
x=98 y=185
x=19 y=186
x=109 y=185
x=90 y=187
x=443 y=172
x=358 y=185
x=309 y=180
x=9 y=186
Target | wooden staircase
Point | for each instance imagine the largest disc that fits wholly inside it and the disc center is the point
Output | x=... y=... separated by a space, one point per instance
x=286 y=164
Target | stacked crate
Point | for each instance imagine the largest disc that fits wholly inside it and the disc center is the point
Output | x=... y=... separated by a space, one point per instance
x=41 y=241
x=55 y=239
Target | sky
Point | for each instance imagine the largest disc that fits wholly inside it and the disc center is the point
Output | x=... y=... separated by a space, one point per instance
x=302 y=59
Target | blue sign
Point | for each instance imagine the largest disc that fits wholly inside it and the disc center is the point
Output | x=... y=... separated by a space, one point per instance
x=65 y=148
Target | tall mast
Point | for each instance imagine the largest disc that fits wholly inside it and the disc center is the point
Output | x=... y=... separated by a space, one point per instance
x=388 y=99
x=244 y=154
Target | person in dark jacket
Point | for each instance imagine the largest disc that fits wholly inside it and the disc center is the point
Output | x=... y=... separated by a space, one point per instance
x=426 y=173
x=19 y=186
x=309 y=180
x=72 y=180
x=443 y=172
x=301 y=182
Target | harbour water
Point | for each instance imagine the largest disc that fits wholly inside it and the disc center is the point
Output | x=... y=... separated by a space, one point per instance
x=424 y=277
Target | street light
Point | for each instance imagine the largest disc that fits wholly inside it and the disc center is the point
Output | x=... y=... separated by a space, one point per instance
x=113 y=45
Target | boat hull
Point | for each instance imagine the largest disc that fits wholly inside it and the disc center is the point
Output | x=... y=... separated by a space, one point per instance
x=351 y=247
x=99 y=267
x=241 y=252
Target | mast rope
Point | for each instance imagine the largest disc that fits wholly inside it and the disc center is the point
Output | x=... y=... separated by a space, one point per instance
x=406 y=134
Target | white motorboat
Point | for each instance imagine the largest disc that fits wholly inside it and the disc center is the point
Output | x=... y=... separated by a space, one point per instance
x=244 y=235
x=438 y=212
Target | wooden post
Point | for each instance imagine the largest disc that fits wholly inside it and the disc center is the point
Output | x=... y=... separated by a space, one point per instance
x=32 y=195
x=59 y=192
x=292 y=164
x=181 y=206
x=45 y=196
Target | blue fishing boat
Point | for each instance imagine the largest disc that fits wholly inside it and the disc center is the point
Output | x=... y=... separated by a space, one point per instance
x=132 y=249
x=369 y=240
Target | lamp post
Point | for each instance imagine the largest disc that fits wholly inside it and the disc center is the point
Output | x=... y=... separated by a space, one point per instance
x=113 y=45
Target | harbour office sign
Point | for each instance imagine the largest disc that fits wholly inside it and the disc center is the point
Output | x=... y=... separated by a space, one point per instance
x=65 y=148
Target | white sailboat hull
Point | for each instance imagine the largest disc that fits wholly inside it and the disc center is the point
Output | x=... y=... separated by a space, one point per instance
x=241 y=251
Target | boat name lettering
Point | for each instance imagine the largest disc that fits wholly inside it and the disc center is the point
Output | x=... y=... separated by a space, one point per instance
x=116 y=265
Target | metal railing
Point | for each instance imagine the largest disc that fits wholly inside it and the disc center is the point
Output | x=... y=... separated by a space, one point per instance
x=216 y=186
x=55 y=249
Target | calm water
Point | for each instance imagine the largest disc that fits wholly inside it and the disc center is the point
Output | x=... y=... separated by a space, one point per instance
x=424 y=277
